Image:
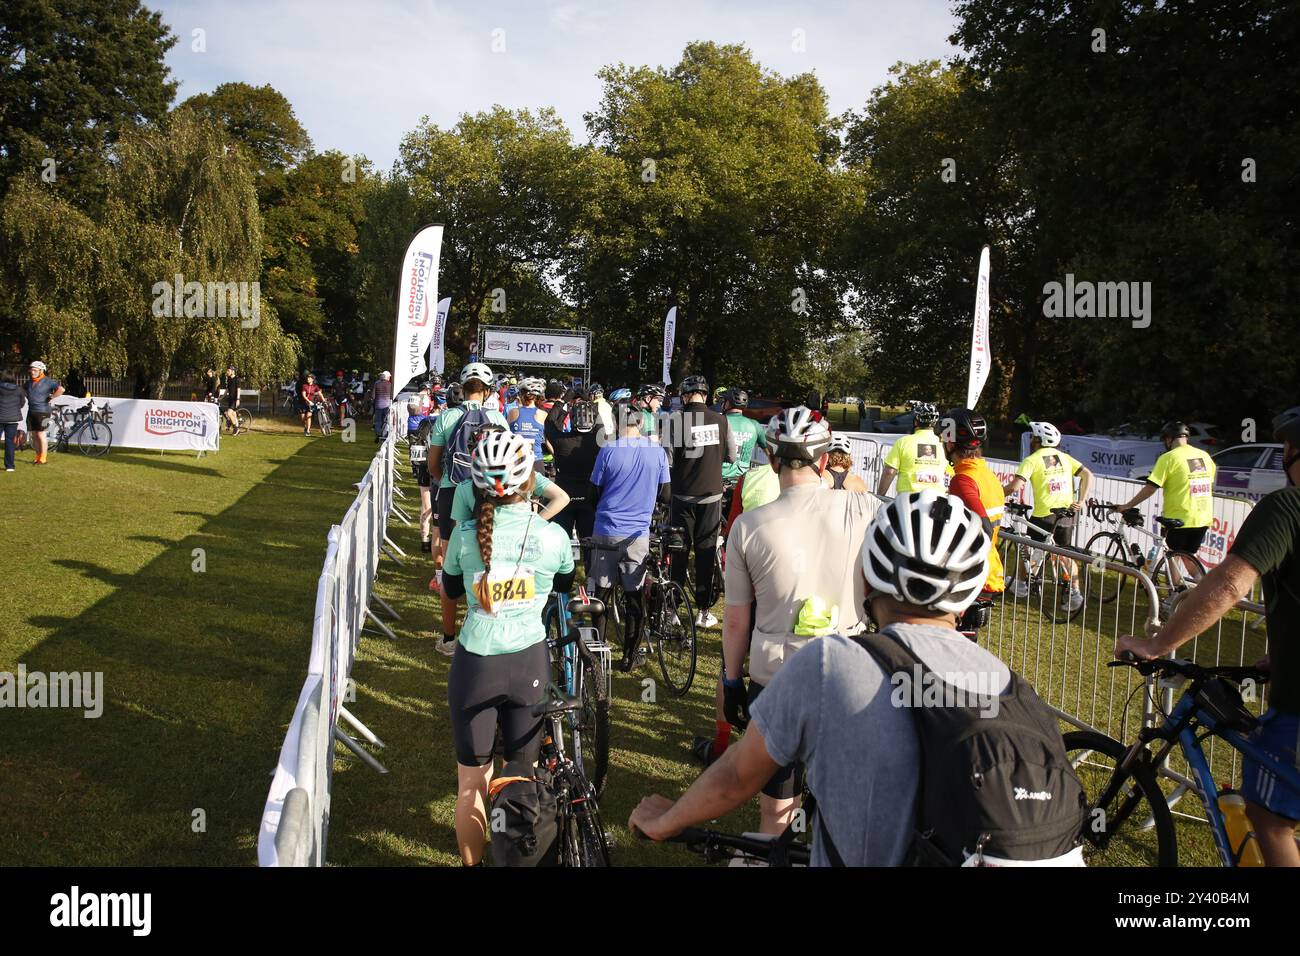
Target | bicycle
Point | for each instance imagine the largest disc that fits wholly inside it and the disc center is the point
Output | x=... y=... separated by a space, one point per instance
x=669 y=626
x=580 y=662
x=321 y=414
x=89 y=427
x=1130 y=806
x=1020 y=565
x=579 y=829
x=749 y=849
x=1116 y=547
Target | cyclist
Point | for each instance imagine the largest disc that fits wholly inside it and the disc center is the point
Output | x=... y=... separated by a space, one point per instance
x=917 y=459
x=501 y=665
x=832 y=706
x=700 y=445
x=419 y=424
x=964 y=433
x=747 y=435
x=210 y=384
x=1050 y=472
x=1186 y=475
x=649 y=399
x=382 y=397
x=604 y=411
x=341 y=392
x=475 y=381
x=628 y=477
x=791 y=577
x=308 y=395
x=230 y=399
x=839 y=467
x=574 y=454
x=39 y=391
x=1267 y=546
x=529 y=420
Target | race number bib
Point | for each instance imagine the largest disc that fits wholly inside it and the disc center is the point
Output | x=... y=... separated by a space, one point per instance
x=1201 y=489
x=1055 y=485
x=704 y=435
x=928 y=479
x=419 y=454
x=510 y=589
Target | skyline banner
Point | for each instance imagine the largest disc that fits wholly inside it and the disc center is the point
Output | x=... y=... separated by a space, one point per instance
x=437 y=345
x=981 y=356
x=670 y=334
x=417 y=293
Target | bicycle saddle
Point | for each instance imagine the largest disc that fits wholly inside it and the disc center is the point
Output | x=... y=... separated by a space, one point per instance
x=557 y=702
x=595 y=606
x=1170 y=523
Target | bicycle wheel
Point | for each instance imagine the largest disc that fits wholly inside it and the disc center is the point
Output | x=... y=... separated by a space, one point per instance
x=593 y=850
x=591 y=724
x=1133 y=827
x=1191 y=569
x=674 y=638
x=323 y=421
x=94 y=439
x=245 y=419
x=1098 y=580
x=1057 y=602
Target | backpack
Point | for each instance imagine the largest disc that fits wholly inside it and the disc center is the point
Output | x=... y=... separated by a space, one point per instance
x=455 y=457
x=999 y=785
x=523 y=818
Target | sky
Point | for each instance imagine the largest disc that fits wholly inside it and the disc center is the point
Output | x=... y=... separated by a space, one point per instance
x=360 y=74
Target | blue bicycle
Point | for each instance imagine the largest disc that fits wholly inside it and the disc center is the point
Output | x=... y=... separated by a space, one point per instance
x=1129 y=821
x=580 y=662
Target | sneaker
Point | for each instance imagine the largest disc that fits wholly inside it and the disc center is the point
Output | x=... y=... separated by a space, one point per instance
x=1019 y=588
x=706 y=619
x=446 y=646
x=305 y=433
x=1074 y=601
x=8 y=469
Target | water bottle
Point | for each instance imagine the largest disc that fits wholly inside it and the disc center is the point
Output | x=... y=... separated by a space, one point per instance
x=1241 y=839
x=1151 y=555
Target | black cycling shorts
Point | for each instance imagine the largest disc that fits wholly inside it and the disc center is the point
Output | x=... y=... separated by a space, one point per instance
x=1042 y=528
x=786 y=783
x=443 y=509
x=1185 y=539
x=500 y=689
x=38 y=421
x=421 y=474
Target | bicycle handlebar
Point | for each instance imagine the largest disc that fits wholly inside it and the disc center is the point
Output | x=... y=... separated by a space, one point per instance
x=700 y=840
x=1189 y=669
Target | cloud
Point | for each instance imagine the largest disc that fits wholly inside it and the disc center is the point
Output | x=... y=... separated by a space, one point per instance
x=361 y=74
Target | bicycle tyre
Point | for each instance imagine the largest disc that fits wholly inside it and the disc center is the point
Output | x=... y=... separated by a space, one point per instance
x=675 y=642
x=1108 y=545
x=245 y=419
x=593 y=849
x=323 y=421
x=1160 y=576
x=591 y=729
x=1134 y=845
x=88 y=439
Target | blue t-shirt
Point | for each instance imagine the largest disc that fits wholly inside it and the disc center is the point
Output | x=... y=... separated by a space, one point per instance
x=528 y=425
x=628 y=473
x=38 y=394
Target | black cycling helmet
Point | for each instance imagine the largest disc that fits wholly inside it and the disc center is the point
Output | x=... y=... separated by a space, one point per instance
x=595 y=390
x=554 y=389
x=736 y=397
x=583 y=417
x=925 y=414
x=1286 y=427
x=694 y=383
x=964 y=427
x=650 y=390
x=1174 y=429
x=434 y=379
x=455 y=393
x=476 y=436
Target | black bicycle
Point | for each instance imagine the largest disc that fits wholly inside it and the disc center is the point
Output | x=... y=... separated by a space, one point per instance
x=89 y=429
x=581 y=667
x=741 y=850
x=579 y=830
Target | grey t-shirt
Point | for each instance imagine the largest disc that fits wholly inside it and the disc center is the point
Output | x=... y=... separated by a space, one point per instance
x=832 y=707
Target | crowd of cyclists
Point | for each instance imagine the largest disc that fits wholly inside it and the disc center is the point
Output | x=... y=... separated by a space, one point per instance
x=831 y=589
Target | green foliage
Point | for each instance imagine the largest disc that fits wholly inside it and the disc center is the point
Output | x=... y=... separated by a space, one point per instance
x=260 y=119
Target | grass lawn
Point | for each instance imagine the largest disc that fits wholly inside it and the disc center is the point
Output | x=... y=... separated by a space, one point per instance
x=201 y=670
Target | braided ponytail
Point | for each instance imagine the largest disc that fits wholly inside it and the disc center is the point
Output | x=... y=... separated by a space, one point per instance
x=483 y=531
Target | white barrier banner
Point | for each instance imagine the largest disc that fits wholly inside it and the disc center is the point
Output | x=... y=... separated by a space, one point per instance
x=145 y=423
x=870 y=449
x=555 y=348
x=1106 y=456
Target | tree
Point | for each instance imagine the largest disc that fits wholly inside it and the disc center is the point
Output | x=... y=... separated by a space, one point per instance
x=75 y=75
x=261 y=120
x=722 y=198
x=178 y=201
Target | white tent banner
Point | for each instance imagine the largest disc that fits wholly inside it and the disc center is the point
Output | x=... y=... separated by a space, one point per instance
x=145 y=423
x=516 y=346
x=1101 y=455
x=981 y=355
x=670 y=335
x=437 y=345
x=418 y=291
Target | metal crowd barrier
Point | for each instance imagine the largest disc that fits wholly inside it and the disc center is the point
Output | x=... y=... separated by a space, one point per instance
x=1066 y=659
x=295 y=820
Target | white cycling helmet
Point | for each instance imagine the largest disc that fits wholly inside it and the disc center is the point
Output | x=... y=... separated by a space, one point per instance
x=476 y=370
x=795 y=436
x=840 y=443
x=533 y=386
x=927 y=549
x=501 y=463
x=1047 y=433
x=38 y=365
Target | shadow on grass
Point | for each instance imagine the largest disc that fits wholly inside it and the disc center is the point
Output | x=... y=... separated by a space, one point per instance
x=200 y=675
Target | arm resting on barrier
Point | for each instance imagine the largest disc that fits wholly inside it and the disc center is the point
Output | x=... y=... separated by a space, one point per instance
x=1218 y=591
x=1145 y=492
